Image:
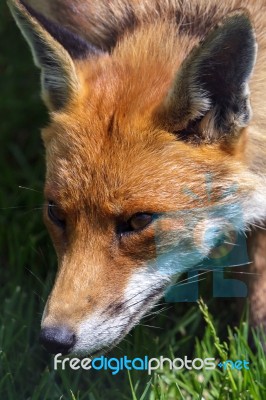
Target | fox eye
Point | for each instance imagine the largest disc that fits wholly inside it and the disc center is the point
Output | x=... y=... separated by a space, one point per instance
x=140 y=221
x=136 y=223
x=55 y=215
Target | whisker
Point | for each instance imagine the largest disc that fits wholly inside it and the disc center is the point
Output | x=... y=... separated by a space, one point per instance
x=258 y=226
x=237 y=265
x=154 y=314
x=193 y=277
x=115 y=326
x=39 y=296
x=222 y=267
x=189 y=283
x=150 y=326
x=127 y=305
x=12 y=208
x=31 y=189
x=128 y=300
x=35 y=276
x=137 y=302
x=21 y=207
x=245 y=273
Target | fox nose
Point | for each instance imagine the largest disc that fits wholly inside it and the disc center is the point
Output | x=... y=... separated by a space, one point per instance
x=57 y=339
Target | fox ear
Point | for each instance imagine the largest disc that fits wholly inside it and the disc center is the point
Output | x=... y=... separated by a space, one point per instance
x=209 y=98
x=54 y=50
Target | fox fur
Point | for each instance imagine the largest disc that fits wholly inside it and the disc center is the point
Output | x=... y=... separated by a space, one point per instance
x=146 y=98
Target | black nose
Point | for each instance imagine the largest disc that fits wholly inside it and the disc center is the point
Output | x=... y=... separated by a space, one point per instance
x=57 y=339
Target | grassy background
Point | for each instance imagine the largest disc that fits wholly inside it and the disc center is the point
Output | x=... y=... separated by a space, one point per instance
x=27 y=268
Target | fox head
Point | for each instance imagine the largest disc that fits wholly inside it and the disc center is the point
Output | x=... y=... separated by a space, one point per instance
x=134 y=137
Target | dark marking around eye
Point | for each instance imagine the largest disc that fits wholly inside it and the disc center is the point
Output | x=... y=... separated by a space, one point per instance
x=136 y=223
x=54 y=215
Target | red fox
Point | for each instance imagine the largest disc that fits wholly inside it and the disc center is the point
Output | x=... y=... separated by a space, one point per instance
x=146 y=99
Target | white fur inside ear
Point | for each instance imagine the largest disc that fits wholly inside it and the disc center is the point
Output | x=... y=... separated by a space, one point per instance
x=214 y=79
x=200 y=101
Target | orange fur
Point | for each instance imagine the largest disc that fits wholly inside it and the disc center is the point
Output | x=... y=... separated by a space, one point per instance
x=109 y=154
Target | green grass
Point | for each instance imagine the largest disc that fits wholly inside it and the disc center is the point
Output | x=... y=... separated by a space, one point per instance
x=28 y=265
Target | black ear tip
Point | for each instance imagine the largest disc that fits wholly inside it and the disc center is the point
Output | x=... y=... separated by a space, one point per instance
x=240 y=19
x=237 y=31
x=75 y=45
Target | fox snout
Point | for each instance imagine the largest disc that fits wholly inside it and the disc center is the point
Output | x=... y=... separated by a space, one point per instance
x=58 y=339
x=92 y=306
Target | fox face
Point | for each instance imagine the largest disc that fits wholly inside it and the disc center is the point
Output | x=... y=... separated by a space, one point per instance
x=120 y=233
x=134 y=135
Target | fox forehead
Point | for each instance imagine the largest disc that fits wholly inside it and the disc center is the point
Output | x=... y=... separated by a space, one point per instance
x=128 y=170
x=102 y=168
x=105 y=150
